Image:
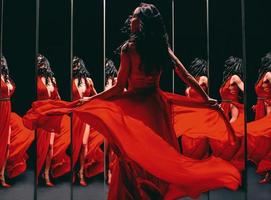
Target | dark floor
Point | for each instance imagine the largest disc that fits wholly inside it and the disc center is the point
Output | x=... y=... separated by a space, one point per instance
x=204 y=196
x=94 y=191
x=256 y=191
x=60 y=191
x=221 y=194
x=225 y=194
x=22 y=188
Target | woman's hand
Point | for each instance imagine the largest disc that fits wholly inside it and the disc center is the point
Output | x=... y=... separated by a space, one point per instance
x=212 y=102
x=83 y=100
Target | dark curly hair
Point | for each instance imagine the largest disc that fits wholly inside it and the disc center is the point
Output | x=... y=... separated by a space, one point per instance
x=44 y=68
x=4 y=69
x=198 y=67
x=151 y=41
x=79 y=69
x=110 y=70
x=265 y=65
x=233 y=66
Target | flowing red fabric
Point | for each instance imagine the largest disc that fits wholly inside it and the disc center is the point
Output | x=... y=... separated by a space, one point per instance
x=259 y=131
x=217 y=136
x=60 y=161
x=20 y=140
x=139 y=127
x=20 y=137
x=263 y=97
x=196 y=148
x=94 y=160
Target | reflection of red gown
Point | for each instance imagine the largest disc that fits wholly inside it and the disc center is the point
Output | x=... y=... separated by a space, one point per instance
x=230 y=96
x=20 y=138
x=95 y=156
x=259 y=131
x=138 y=125
x=60 y=161
x=197 y=148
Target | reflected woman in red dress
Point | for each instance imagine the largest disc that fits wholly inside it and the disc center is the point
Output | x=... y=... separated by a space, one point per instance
x=138 y=123
x=197 y=148
x=51 y=146
x=231 y=88
x=15 y=139
x=231 y=92
x=110 y=80
x=259 y=131
x=86 y=141
x=110 y=74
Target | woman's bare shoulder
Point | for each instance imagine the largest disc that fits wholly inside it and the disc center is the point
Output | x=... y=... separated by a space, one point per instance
x=128 y=47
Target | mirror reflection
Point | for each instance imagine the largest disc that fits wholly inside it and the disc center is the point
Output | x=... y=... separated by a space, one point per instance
x=16 y=141
x=226 y=83
x=87 y=74
x=258 y=98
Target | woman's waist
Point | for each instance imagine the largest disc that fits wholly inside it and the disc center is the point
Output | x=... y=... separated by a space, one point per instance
x=143 y=88
x=229 y=99
x=264 y=98
x=4 y=98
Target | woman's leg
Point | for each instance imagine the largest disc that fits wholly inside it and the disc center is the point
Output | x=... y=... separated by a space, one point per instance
x=3 y=181
x=48 y=160
x=234 y=113
x=83 y=154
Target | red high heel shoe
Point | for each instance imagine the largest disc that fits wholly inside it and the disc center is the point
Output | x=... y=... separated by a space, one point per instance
x=82 y=179
x=266 y=179
x=48 y=183
x=3 y=183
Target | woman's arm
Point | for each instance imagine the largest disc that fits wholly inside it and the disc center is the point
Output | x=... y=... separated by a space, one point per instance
x=91 y=85
x=268 y=77
x=236 y=79
x=188 y=78
x=123 y=74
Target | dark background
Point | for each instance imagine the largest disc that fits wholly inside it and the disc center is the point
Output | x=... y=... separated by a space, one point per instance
x=117 y=11
x=225 y=39
x=19 y=50
x=88 y=38
x=190 y=34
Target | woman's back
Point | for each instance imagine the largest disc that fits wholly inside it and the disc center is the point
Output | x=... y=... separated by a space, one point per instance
x=138 y=79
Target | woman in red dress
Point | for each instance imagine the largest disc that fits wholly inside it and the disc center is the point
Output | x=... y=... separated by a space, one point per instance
x=15 y=139
x=138 y=123
x=86 y=141
x=110 y=80
x=110 y=74
x=231 y=90
x=197 y=148
x=51 y=146
x=259 y=131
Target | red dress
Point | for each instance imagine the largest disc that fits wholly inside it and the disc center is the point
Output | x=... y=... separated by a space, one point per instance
x=259 y=131
x=139 y=126
x=230 y=96
x=94 y=163
x=197 y=148
x=61 y=161
x=20 y=137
